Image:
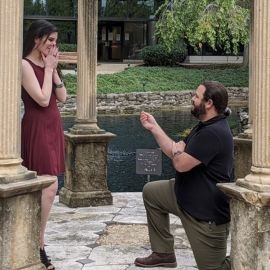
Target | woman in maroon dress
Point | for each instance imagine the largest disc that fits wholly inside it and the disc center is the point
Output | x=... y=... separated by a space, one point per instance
x=42 y=133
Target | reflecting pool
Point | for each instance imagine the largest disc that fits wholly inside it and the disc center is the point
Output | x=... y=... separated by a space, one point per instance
x=131 y=135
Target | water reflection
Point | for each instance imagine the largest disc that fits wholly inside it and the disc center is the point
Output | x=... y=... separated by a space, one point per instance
x=122 y=175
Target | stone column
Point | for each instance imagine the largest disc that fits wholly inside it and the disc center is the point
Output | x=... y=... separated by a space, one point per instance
x=243 y=142
x=251 y=104
x=19 y=188
x=86 y=166
x=10 y=160
x=259 y=179
x=250 y=197
x=86 y=121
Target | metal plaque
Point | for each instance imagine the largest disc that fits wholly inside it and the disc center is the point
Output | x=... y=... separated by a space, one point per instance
x=149 y=161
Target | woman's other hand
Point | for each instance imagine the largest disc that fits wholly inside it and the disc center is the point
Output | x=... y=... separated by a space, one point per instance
x=51 y=60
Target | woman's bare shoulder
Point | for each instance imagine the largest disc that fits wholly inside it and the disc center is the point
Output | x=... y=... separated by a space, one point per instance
x=25 y=63
x=26 y=66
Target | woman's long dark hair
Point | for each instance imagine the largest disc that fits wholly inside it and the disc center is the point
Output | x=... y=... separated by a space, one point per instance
x=38 y=29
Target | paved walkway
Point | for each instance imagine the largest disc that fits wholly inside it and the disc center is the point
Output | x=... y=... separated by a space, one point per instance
x=107 y=68
x=107 y=237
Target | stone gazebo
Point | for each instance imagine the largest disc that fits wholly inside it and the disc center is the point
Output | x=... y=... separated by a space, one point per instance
x=85 y=182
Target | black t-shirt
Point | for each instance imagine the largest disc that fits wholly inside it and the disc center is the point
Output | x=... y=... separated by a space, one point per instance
x=210 y=142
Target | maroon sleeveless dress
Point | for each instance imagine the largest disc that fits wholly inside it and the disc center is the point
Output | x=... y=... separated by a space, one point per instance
x=42 y=139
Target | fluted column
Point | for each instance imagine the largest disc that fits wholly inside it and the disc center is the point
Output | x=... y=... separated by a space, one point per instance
x=85 y=181
x=20 y=189
x=251 y=104
x=259 y=178
x=86 y=121
x=10 y=77
x=250 y=197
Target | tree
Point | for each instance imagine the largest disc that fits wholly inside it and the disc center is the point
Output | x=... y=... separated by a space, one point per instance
x=126 y=9
x=222 y=24
x=39 y=8
x=28 y=7
x=60 y=8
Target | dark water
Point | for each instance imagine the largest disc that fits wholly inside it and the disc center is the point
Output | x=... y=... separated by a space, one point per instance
x=122 y=175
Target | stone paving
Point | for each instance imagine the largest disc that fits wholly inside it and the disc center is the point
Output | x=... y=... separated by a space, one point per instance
x=107 y=237
x=107 y=68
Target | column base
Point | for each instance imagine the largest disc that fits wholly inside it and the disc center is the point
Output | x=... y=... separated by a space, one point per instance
x=253 y=185
x=13 y=178
x=85 y=199
x=85 y=182
x=248 y=133
x=250 y=227
x=20 y=223
x=86 y=129
x=12 y=169
x=258 y=179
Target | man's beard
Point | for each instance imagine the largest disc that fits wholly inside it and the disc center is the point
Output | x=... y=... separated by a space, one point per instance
x=198 y=110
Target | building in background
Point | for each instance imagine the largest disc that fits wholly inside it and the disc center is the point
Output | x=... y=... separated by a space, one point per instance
x=124 y=27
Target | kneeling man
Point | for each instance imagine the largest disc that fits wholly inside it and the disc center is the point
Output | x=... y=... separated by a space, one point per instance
x=203 y=159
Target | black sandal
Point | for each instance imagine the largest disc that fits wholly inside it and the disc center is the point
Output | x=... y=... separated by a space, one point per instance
x=45 y=260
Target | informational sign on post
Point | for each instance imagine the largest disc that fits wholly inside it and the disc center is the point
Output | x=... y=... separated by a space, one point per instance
x=149 y=161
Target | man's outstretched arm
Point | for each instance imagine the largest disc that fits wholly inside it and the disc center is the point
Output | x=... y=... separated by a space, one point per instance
x=165 y=143
x=182 y=161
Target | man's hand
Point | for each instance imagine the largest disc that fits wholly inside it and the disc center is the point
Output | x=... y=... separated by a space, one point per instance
x=165 y=143
x=148 y=121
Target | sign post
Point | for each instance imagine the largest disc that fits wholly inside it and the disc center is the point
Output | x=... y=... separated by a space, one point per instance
x=149 y=162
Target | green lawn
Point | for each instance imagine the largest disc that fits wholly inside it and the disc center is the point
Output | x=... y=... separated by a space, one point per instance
x=142 y=79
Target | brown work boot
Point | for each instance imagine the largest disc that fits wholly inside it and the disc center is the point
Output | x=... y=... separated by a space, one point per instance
x=157 y=259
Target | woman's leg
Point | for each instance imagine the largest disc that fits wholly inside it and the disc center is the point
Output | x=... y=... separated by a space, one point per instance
x=47 y=198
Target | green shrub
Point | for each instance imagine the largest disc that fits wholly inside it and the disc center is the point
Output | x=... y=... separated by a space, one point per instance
x=151 y=79
x=65 y=47
x=154 y=55
x=70 y=82
x=158 y=55
x=178 y=53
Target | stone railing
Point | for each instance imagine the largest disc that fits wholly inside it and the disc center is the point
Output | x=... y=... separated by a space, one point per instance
x=150 y=101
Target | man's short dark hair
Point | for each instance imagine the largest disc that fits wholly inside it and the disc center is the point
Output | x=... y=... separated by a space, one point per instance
x=217 y=93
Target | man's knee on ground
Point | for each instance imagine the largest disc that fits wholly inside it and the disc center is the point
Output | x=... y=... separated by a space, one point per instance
x=147 y=190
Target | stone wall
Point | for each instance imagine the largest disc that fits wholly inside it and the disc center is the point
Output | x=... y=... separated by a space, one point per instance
x=137 y=101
